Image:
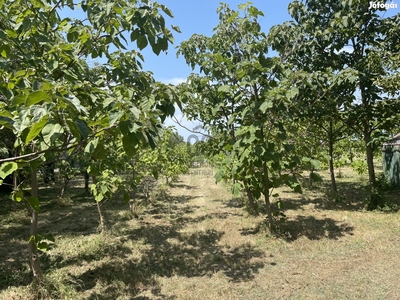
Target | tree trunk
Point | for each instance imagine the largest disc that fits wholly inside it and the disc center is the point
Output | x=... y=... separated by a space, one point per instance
x=86 y=181
x=33 y=256
x=310 y=179
x=331 y=166
x=250 y=198
x=102 y=222
x=370 y=159
x=266 y=198
x=64 y=188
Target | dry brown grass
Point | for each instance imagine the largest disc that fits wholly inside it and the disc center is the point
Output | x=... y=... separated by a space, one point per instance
x=198 y=242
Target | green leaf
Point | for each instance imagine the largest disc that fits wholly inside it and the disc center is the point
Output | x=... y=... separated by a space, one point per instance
x=7 y=122
x=293 y=92
x=126 y=197
x=100 y=152
x=114 y=116
x=74 y=129
x=219 y=175
x=34 y=202
x=167 y=11
x=316 y=177
x=5 y=51
x=50 y=237
x=83 y=128
x=36 y=129
x=224 y=88
x=129 y=143
x=90 y=147
x=19 y=99
x=36 y=97
x=135 y=34
x=176 y=28
x=142 y=42
x=316 y=164
x=266 y=105
x=7 y=168
x=51 y=133
x=17 y=196
x=150 y=141
x=236 y=188
x=42 y=246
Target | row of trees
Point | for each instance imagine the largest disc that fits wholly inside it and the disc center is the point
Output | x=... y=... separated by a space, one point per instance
x=54 y=106
x=335 y=77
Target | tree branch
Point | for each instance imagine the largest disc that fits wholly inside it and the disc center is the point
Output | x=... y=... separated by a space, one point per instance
x=192 y=131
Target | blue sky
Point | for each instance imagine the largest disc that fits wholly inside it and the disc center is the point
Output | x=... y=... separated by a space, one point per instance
x=194 y=16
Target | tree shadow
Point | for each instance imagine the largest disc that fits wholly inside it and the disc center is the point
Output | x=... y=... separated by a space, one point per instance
x=313 y=228
x=176 y=185
x=351 y=197
x=167 y=251
x=304 y=226
x=14 y=236
x=172 y=253
x=185 y=220
x=56 y=219
x=236 y=202
x=195 y=254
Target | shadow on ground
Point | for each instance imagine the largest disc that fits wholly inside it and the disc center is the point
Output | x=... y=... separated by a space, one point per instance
x=351 y=197
x=170 y=253
x=314 y=229
x=167 y=251
x=305 y=226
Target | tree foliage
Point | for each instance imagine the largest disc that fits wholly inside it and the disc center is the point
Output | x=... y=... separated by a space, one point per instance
x=243 y=97
x=355 y=49
x=53 y=102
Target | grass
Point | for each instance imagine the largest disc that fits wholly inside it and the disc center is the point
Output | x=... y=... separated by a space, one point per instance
x=196 y=241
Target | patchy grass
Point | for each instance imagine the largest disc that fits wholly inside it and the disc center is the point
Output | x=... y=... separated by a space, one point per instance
x=195 y=241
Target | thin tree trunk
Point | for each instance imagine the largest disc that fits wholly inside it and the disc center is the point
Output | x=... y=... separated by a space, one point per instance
x=64 y=188
x=266 y=198
x=86 y=181
x=370 y=159
x=367 y=139
x=310 y=179
x=102 y=222
x=33 y=256
x=250 y=198
x=132 y=201
x=331 y=166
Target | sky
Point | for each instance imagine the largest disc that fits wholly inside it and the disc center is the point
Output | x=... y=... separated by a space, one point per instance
x=194 y=16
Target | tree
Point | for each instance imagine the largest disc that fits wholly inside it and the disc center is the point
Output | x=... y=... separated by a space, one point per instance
x=52 y=101
x=356 y=48
x=243 y=98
